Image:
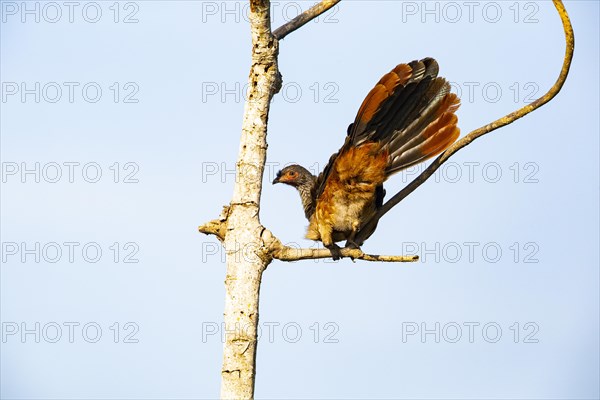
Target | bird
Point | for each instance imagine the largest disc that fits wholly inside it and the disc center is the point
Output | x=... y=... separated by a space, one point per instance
x=407 y=118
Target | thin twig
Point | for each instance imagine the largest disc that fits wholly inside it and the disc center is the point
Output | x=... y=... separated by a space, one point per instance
x=303 y=18
x=507 y=119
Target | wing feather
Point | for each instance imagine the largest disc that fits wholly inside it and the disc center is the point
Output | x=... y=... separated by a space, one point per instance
x=409 y=114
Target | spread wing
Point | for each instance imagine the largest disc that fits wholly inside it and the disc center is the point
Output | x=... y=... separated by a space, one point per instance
x=409 y=114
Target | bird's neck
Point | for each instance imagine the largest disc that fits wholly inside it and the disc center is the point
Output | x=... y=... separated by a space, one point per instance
x=306 y=195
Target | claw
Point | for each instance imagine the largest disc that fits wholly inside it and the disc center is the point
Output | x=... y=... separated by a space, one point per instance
x=336 y=251
x=351 y=244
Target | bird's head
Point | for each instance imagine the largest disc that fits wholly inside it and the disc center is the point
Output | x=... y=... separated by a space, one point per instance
x=294 y=175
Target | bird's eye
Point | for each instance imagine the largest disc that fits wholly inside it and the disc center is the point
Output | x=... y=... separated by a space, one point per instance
x=292 y=173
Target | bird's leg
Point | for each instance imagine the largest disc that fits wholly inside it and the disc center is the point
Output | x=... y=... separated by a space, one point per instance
x=336 y=251
x=326 y=233
x=350 y=243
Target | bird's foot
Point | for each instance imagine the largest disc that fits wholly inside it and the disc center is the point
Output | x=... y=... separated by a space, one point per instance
x=351 y=244
x=336 y=251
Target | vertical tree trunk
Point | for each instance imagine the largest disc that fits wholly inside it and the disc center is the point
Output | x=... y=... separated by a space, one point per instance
x=246 y=258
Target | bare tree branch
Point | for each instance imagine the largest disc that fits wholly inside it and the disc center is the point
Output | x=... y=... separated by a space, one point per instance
x=292 y=254
x=499 y=123
x=286 y=253
x=303 y=18
x=277 y=250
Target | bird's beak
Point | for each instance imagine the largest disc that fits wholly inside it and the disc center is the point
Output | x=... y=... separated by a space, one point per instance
x=276 y=180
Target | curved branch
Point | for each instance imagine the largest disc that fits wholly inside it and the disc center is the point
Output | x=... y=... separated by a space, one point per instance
x=303 y=18
x=499 y=123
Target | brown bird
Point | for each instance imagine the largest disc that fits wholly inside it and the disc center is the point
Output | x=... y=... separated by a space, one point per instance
x=405 y=119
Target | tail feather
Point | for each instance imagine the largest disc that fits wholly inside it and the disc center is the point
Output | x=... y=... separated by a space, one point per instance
x=421 y=134
x=376 y=102
x=392 y=101
x=428 y=148
x=425 y=129
x=410 y=112
x=405 y=104
x=424 y=134
x=431 y=103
